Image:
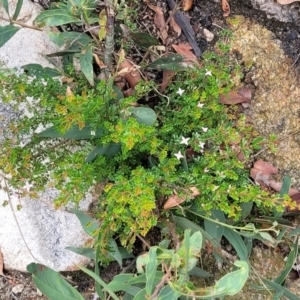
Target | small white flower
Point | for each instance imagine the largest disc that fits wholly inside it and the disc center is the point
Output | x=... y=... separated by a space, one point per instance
x=180 y=91
x=179 y=155
x=204 y=129
x=201 y=145
x=206 y=170
x=208 y=73
x=27 y=186
x=93 y=133
x=200 y=105
x=184 y=140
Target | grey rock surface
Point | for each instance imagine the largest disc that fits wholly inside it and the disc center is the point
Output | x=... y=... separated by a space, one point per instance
x=37 y=232
x=283 y=13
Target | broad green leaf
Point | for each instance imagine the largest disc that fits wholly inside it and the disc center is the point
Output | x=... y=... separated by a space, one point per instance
x=40 y=71
x=171 y=62
x=114 y=251
x=283 y=191
x=109 y=150
x=18 y=9
x=167 y=293
x=51 y=284
x=6 y=32
x=249 y=245
x=56 y=17
x=73 y=133
x=233 y=282
x=89 y=225
x=199 y=273
x=237 y=242
x=213 y=229
x=87 y=252
x=295 y=231
x=186 y=224
x=5 y=6
x=279 y=288
x=68 y=38
x=141 y=295
x=286 y=184
x=246 y=209
x=151 y=268
x=122 y=282
x=266 y=236
x=142 y=261
x=289 y=264
x=86 y=64
x=144 y=115
x=278 y=296
x=100 y=281
x=144 y=40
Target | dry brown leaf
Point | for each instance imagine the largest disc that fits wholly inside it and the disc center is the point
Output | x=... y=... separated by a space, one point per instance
x=159 y=22
x=284 y=2
x=167 y=76
x=187 y=4
x=1 y=263
x=175 y=26
x=99 y=62
x=265 y=167
x=225 y=8
x=69 y=92
x=185 y=50
x=173 y=200
x=233 y=97
x=130 y=72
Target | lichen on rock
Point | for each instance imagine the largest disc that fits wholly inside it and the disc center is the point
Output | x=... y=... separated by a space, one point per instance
x=275 y=108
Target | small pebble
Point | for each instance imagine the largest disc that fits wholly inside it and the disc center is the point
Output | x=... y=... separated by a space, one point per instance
x=209 y=36
x=17 y=289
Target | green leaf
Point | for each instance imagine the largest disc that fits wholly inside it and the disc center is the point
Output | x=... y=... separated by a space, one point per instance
x=289 y=264
x=246 y=209
x=167 y=293
x=56 y=17
x=144 y=115
x=141 y=295
x=144 y=40
x=51 y=284
x=40 y=71
x=100 y=281
x=122 y=282
x=69 y=38
x=151 y=268
x=199 y=273
x=278 y=288
x=5 y=6
x=233 y=282
x=87 y=252
x=295 y=231
x=114 y=251
x=237 y=242
x=89 y=225
x=18 y=9
x=7 y=32
x=171 y=62
x=109 y=150
x=86 y=64
x=62 y=53
x=186 y=224
x=213 y=229
x=285 y=186
x=73 y=133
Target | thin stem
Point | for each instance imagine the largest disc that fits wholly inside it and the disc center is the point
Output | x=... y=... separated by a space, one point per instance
x=20 y=23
